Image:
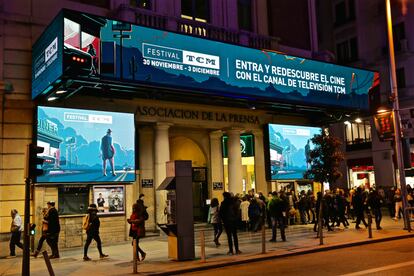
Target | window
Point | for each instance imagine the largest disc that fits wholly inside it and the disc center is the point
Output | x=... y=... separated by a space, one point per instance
x=244 y=9
x=143 y=4
x=358 y=133
x=73 y=201
x=398 y=32
x=347 y=51
x=98 y=3
x=400 y=77
x=198 y=10
x=344 y=12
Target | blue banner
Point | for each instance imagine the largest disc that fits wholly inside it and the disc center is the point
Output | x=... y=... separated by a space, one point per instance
x=129 y=53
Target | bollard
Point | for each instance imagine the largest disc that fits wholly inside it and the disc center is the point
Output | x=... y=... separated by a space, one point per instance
x=320 y=225
x=48 y=264
x=369 y=224
x=134 y=257
x=263 y=239
x=202 y=247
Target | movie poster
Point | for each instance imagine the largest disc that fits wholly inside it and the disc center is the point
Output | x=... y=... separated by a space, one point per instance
x=86 y=145
x=109 y=199
x=289 y=148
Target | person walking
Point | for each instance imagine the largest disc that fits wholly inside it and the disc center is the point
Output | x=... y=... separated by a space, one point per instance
x=398 y=204
x=277 y=207
x=16 y=232
x=45 y=212
x=375 y=202
x=137 y=221
x=229 y=214
x=92 y=232
x=358 y=203
x=214 y=219
x=53 y=229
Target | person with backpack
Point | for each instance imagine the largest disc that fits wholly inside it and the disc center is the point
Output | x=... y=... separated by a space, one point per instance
x=91 y=225
x=137 y=231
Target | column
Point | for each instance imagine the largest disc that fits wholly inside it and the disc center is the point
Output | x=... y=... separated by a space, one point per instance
x=146 y=171
x=162 y=155
x=235 y=164
x=216 y=163
x=259 y=162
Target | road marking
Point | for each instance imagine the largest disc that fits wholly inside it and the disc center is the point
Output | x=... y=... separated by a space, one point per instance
x=378 y=269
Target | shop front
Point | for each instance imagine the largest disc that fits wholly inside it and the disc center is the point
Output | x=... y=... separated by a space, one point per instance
x=361 y=173
x=116 y=101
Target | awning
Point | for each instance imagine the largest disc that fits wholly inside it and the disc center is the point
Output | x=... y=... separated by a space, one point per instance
x=167 y=184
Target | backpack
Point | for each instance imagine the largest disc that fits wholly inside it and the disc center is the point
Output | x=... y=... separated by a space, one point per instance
x=146 y=216
x=85 y=222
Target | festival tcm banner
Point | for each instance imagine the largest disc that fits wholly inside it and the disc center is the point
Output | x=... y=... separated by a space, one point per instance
x=95 y=47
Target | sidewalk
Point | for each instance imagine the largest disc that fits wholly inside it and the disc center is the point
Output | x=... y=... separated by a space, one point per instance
x=300 y=240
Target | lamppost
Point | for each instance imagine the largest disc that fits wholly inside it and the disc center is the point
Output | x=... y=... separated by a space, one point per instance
x=396 y=117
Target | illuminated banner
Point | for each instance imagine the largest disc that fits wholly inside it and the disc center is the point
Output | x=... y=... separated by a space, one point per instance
x=95 y=47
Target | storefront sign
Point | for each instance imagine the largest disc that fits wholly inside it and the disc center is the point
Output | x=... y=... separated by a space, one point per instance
x=98 y=47
x=147 y=183
x=217 y=186
x=188 y=114
x=246 y=145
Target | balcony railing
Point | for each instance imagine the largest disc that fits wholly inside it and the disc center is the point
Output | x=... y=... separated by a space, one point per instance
x=140 y=16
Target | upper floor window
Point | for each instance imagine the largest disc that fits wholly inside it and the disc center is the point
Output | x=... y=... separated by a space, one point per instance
x=143 y=4
x=400 y=77
x=344 y=11
x=198 y=10
x=357 y=133
x=398 y=32
x=99 y=3
x=347 y=51
x=244 y=12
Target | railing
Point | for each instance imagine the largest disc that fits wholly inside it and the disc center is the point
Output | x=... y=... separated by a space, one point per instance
x=140 y=16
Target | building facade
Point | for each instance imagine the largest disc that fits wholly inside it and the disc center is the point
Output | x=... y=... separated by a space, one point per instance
x=212 y=132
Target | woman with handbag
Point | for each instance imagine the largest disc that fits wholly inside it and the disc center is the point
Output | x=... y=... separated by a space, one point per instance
x=137 y=231
x=45 y=212
x=92 y=232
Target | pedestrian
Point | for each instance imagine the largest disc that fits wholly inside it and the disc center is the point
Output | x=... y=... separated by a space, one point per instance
x=358 y=203
x=277 y=207
x=229 y=214
x=45 y=213
x=375 y=202
x=53 y=229
x=137 y=221
x=16 y=232
x=398 y=204
x=92 y=232
x=255 y=213
x=214 y=219
x=244 y=208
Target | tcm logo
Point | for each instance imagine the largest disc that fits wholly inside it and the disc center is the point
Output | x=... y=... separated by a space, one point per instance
x=201 y=60
x=51 y=49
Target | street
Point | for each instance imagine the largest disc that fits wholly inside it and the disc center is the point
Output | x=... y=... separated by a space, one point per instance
x=387 y=258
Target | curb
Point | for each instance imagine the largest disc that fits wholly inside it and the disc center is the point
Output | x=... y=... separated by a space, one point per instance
x=270 y=256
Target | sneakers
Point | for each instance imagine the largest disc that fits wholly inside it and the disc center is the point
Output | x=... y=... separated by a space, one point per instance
x=103 y=256
x=35 y=254
x=230 y=253
x=86 y=258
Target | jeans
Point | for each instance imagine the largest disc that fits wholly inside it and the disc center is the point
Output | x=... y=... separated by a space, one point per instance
x=52 y=240
x=278 y=222
x=377 y=216
x=15 y=241
x=40 y=244
x=218 y=229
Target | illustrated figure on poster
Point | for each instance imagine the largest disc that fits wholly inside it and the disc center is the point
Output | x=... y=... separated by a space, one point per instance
x=108 y=152
x=100 y=201
x=92 y=52
x=307 y=155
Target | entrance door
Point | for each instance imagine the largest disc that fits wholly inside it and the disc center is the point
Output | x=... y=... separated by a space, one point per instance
x=200 y=194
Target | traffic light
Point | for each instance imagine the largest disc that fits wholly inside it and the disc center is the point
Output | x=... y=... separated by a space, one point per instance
x=384 y=123
x=32 y=230
x=33 y=161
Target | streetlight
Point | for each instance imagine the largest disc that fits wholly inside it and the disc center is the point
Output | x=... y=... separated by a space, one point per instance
x=396 y=118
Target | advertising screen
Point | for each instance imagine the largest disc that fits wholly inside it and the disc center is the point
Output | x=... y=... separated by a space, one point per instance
x=289 y=147
x=100 y=48
x=86 y=145
x=109 y=199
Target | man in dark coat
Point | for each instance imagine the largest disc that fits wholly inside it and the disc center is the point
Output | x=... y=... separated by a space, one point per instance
x=229 y=214
x=277 y=211
x=53 y=229
x=358 y=203
x=375 y=202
